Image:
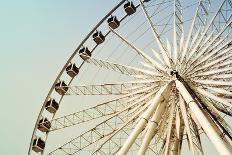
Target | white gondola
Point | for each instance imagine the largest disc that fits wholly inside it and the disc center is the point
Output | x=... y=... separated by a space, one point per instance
x=52 y=106
x=113 y=22
x=38 y=145
x=61 y=88
x=98 y=37
x=129 y=8
x=84 y=53
x=44 y=125
x=72 y=70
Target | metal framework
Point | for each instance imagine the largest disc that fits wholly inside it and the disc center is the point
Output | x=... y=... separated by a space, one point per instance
x=167 y=80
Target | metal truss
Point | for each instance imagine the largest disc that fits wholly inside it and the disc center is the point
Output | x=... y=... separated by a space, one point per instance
x=123 y=69
x=201 y=15
x=218 y=118
x=97 y=133
x=178 y=20
x=101 y=110
x=104 y=89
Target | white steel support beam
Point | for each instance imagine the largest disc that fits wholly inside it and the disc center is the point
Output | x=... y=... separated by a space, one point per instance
x=212 y=96
x=123 y=69
x=160 y=96
x=178 y=28
x=94 y=135
x=194 y=143
x=170 y=130
x=223 y=147
x=193 y=29
x=157 y=37
x=140 y=52
x=137 y=111
x=152 y=128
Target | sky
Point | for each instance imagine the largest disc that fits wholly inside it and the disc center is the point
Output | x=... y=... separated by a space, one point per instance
x=36 y=39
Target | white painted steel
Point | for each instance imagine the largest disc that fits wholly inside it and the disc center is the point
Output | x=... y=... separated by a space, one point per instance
x=161 y=95
x=221 y=146
x=151 y=128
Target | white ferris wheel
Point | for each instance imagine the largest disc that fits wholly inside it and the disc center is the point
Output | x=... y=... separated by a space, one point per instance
x=152 y=77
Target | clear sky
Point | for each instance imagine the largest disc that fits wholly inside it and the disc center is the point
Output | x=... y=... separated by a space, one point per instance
x=36 y=38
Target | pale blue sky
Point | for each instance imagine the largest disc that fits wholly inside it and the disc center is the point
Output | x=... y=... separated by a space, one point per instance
x=36 y=38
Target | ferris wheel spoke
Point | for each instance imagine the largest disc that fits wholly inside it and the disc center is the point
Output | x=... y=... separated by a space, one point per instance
x=158 y=66
x=213 y=72
x=214 y=53
x=219 y=119
x=103 y=109
x=199 y=49
x=105 y=89
x=223 y=65
x=222 y=108
x=215 y=63
x=158 y=56
x=226 y=25
x=211 y=42
x=178 y=20
x=177 y=29
x=128 y=70
x=213 y=82
x=196 y=45
x=194 y=142
x=206 y=27
x=220 y=91
x=135 y=116
x=157 y=36
x=222 y=76
x=95 y=134
x=160 y=96
x=198 y=23
x=212 y=96
x=193 y=46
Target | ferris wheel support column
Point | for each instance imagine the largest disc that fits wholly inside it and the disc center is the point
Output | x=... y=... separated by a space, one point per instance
x=221 y=146
x=152 y=128
x=161 y=95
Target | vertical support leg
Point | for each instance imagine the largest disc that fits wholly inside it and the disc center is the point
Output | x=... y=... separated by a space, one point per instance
x=220 y=144
x=161 y=95
x=151 y=128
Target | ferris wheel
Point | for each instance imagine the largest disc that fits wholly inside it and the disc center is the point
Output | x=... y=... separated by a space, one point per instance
x=151 y=77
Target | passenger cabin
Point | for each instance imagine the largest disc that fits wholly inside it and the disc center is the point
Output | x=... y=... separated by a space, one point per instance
x=113 y=22
x=61 y=88
x=84 y=53
x=72 y=70
x=38 y=145
x=52 y=106
x=129 y=8
x=98 y=37
x=44 y=125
